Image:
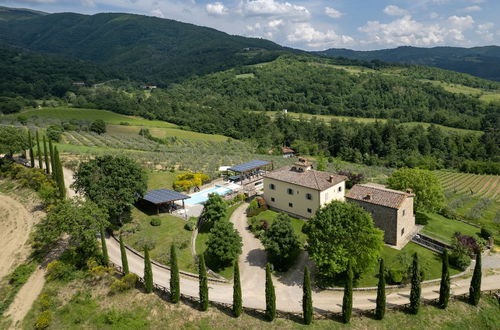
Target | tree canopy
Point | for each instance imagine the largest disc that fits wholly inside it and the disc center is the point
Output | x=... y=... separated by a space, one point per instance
x=280 y=241
x=114 y=183
x=425 y=185
x=342 y=232
x=215 y=209
x=224 y=245
x=12 y=140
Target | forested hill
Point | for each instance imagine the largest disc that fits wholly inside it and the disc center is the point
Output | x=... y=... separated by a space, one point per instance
x=9 y=14
x=148 y=49
x=321 y=86
x=478 y=61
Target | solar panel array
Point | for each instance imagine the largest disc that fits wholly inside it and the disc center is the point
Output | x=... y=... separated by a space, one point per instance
x=163 y=196
x=254 y=164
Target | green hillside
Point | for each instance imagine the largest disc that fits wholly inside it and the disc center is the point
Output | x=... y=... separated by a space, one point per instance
x=479 y=61
x=9 y=14
x=144 y=48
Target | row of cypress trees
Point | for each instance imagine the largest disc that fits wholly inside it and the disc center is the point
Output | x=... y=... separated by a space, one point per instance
x=48 y=159
x=307 y=305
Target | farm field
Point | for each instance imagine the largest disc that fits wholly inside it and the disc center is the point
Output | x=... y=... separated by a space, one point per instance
x=91 y=139
x=162 y=132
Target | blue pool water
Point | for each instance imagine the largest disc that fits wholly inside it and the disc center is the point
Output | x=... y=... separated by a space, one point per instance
x=202 y=196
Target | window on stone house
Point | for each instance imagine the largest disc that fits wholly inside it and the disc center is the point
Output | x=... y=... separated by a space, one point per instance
x=272 y=199
x=402 y=231
x=289 y=191
x=309 y=196
x=340 y=189
x=272 y=186
x=404 y=212
x=290 y=204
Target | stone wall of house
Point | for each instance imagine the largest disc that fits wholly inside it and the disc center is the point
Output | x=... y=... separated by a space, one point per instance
x=406 y=220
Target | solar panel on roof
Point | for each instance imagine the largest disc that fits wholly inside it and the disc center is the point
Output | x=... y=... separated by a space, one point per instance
x=254 y=164
x=163 y=196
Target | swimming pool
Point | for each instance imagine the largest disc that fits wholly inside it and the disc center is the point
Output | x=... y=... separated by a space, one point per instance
x=202 y=196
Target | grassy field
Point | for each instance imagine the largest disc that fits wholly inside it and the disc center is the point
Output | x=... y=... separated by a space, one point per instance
x=87 y=304
x=161 y=132
x=161 y=179
x=160 y=238
x=109 y=117
x=297 y=224
x=328 y=118
x=443 y=229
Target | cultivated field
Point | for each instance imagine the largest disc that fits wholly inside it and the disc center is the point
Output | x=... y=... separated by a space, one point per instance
x=91 y=139
x=483 y=186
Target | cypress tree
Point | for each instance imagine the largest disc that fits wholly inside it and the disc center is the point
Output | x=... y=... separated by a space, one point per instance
x=105 y=256
x=39 y=150
x=270 y=295
x=202 y=273
x=444 y=289
x=307 y=305
x=475 y=284
x=148 y=272
x=380 y=309
x=52 y=158
x=46 y=155
x=175 y=292
x=123 y=253
x=415 y=286
x=347 y=301
x=32 y=155
x=237 y=301
x=59 y=175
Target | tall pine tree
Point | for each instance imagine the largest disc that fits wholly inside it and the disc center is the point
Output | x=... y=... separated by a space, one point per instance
x=123 y=253
x=237 y=299
x=381 y=299
x=307 y=305
x=444 y=289
x=59 y=175
x=52 y=159
x=270 y=295
x=39 y=150
x=416 y=290
x=203 y=286
x=148 y=272
x=175 y=292
x=105 y=256
x=32 y=154
x=475 y=283
x=46 y=156
x=347 y=301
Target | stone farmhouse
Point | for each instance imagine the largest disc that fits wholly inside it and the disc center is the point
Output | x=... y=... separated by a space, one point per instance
x=392 y=210
x=300 y=190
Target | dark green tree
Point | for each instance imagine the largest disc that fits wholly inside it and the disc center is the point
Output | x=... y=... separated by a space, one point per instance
x=123 y=253
x=237 y=299
x=416 y=289
x=223 y=245
x=32 y=154
x=307 y=305
x=281 y=242
x=339 y=231
x=444 y=289
x=59 y=175
x=104 y=248
x=148 y=272
x=39 y=150
x=380 y=309
x=270 y=295
x=475 y=283
x=203 y=286
x=98 y=126
x=46 y=155
x=13 y=140
x=52 y=158
x=114 y=183
x=347 y=300
x=215 y=209
x=175 y=291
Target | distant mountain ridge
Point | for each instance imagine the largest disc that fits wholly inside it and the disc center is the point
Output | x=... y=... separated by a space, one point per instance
x=483 y=62
x=9 y=14
x=144 y=48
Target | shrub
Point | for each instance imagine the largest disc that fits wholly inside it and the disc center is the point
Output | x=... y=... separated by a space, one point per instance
x=43 y=320
x=421 y=218
x=58 y=270
x=126 y=283
x=256 y=206
x=395 y=276
x=155 y=222
x=486 y=233
x=460 y=260
x=189 y=226
x=54 y=132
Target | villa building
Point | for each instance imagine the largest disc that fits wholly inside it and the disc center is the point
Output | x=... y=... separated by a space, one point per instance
x=300 y=190
x=392 y=210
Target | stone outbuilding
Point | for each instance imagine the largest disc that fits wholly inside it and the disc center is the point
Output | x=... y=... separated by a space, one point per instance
x=392 y=210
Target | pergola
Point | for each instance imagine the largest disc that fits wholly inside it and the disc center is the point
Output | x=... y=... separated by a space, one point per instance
x=161 y=197
x=250 y=169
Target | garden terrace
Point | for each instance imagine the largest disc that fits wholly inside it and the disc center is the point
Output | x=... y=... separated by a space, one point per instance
x=164 y=198
x=252 y=171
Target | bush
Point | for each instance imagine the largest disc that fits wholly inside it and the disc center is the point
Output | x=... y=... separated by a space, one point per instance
x=57 y=270
x=421 y=218
x=43 y=320
x=126 y=283
x=486 y=233
x=460 y=260
x=54 y=132
x=395 y=276
x=155 y=222
x=189 y=226
x=256 y=206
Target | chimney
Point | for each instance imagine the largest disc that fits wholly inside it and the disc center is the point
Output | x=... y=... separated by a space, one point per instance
x=330 y=179
x=368 y=196
x=409 y=191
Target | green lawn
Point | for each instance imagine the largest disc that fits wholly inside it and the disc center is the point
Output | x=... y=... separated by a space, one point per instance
x=109 y=117
x=171 y=231
x=161 y=179
x=429 y=260
x=297 y=224
x=443 y=229
x=202 y=239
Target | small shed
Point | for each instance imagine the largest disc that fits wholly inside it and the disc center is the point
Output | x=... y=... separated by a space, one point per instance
x=287 y=152
x=165 y=198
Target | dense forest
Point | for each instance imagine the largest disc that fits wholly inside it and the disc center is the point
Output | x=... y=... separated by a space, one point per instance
x=478 y=61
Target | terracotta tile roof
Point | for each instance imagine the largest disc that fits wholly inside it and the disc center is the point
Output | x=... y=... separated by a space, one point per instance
x=287 y=150
x=378 y=194
x=313 y=179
